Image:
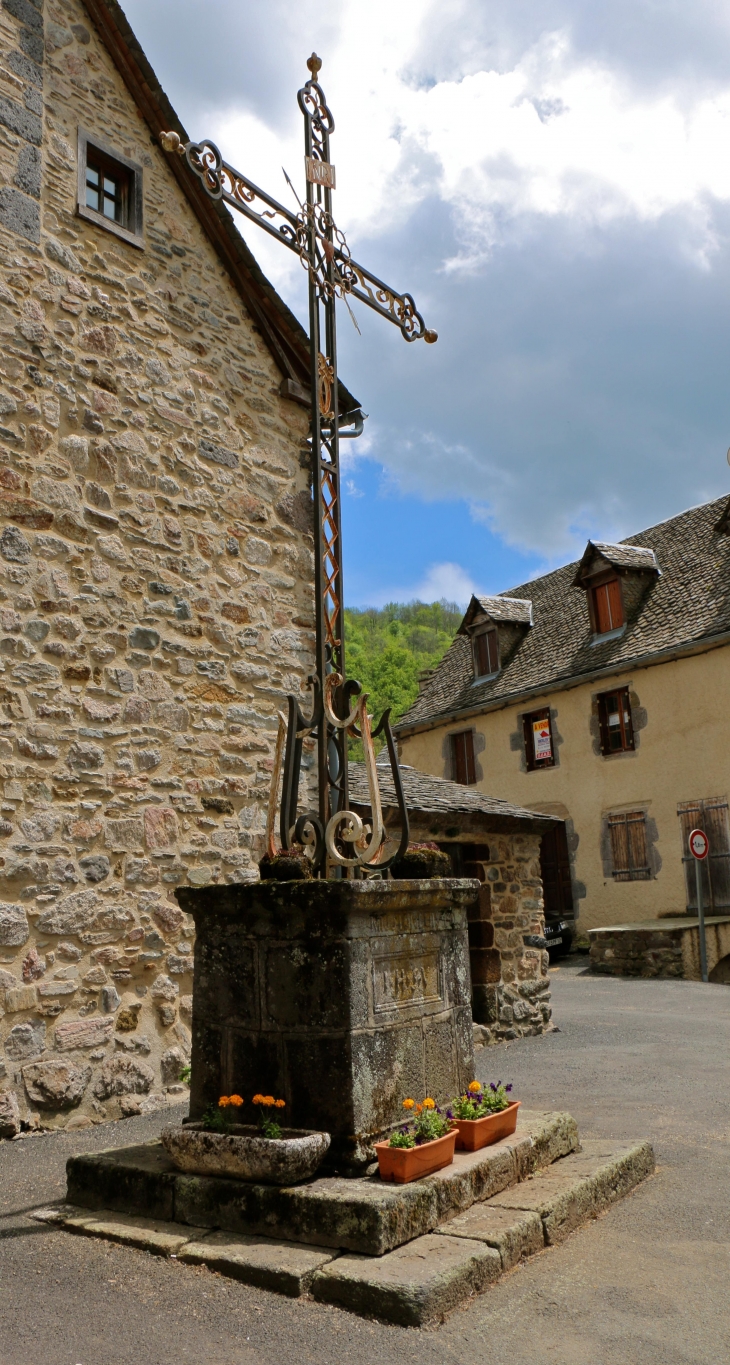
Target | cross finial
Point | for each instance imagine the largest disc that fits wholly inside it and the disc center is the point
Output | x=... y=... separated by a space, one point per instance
x=314 y=64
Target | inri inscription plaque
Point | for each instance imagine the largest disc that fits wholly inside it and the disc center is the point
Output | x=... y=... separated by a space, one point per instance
x=402 y=980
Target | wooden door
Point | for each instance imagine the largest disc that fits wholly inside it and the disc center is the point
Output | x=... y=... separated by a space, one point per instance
x=555 y=872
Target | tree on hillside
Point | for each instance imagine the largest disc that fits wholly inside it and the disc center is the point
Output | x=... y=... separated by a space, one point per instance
x=387 y=649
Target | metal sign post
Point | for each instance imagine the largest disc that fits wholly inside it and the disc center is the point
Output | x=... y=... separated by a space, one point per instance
x=699 y=847
x=333 y=836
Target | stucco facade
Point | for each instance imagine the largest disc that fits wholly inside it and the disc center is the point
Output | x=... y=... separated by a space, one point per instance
x=603 y=698
x=155 y=588
x=682 y=736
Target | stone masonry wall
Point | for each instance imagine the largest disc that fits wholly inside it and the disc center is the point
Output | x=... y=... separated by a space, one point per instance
x=509 y=968
x=155 y=592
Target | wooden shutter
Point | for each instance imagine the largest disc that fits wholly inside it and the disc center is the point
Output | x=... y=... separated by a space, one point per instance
x=603 y=723
x=486 y=653
x=555 y=873
x=711 y=816
x=608 y=606
x=629 y=848
x=462 y=747
x=615 y=603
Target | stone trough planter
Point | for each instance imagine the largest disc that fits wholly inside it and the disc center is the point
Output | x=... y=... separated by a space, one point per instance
x=245 y=1154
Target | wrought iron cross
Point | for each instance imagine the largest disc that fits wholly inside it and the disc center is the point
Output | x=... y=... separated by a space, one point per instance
x=333 y=836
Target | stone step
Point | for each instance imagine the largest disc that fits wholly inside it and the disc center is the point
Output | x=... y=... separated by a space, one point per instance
x=417 y=1282
x=361 y=1215
x=283 y=1267
x=420 y=1282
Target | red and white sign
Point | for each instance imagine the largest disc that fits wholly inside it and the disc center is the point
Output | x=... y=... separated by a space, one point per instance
x=699 y=844
x=541 y=739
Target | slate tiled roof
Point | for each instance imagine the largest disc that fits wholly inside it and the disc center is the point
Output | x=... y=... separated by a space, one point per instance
x=507 y=609
x=434 y=796
x=688 y=603
x=620 y=556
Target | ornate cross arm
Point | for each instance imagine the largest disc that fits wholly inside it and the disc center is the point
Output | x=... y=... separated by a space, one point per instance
x=222 y=181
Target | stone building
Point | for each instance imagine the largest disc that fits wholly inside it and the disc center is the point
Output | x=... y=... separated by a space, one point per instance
x=155 y=564
x=499 y=844
x=600 y=694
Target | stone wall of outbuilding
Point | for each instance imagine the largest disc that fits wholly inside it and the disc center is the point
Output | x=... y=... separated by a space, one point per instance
x=155 y=598
x=510 y=982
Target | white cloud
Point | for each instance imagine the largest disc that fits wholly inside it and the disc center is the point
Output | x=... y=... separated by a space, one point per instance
x=551 y=180
x=441 y=582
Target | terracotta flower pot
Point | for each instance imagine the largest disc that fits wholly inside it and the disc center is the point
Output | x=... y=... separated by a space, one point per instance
x=475 y=1133
x=403 y=1164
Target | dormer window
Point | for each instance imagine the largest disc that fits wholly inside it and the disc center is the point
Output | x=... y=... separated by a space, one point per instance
x=607 y=604
x=616 y=580
x=495 y=628
x=486 y=653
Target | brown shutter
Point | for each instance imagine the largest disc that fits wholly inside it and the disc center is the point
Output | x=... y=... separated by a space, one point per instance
x=529 y=746
x=471 y=767
x=603 y=723
x=619 y=846
x=716 y=828
x=691 y=816
x=462 y=748
x=629 y=848
x=626 y=718
x=711 y=816
x=492 y=644
x=638 y=849
x=600 y=604
x=481 y=655
x=615 y=603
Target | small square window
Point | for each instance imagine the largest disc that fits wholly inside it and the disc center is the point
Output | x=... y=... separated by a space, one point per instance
x=614 y=717
x=486 y=654
x=109 y=189
x=538 y=732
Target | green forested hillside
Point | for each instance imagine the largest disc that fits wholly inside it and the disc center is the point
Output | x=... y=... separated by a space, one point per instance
x=386 y=650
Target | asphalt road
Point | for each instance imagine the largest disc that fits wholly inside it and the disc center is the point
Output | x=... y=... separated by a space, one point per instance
x=647 y=1284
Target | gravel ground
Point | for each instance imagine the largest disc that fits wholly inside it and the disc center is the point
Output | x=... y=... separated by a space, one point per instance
x=647 y=1284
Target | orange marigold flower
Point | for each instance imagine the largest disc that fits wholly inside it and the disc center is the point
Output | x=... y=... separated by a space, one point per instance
x=268 y=1100
x=409 y=1104
x=419 y=1108
x=235 y=1099
x=258 y=1099
x=280 y=1104
x=474 y=1086
x=428 y=1103
x=223 y=1102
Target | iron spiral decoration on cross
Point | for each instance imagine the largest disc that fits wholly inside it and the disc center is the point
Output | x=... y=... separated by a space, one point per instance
x=333 y=836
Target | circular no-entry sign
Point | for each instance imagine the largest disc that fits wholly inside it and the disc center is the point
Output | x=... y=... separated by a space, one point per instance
x=699 y=844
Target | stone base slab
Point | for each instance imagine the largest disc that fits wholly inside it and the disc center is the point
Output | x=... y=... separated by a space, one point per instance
x=418 y=1282
x=362 y=1215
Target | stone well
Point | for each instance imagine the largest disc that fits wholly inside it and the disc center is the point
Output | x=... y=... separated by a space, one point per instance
x=341 y=997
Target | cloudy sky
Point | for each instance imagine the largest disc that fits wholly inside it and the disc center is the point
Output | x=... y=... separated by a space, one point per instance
x=551 y=180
